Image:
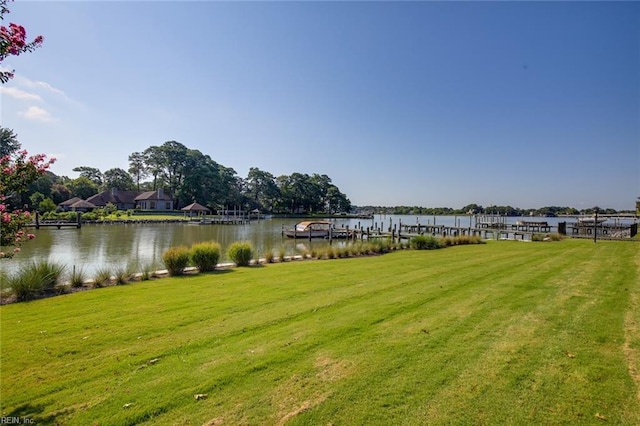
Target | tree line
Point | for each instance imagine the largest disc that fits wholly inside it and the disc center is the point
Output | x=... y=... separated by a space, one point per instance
x=187 y=176
x=549 y=211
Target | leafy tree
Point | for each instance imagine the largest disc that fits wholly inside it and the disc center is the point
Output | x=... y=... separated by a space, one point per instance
x=9 y=144
x=82 y=187
x=138 y=167
x=261 y=189
x=167 y=165
x=47 y=205
x=18 y=171
x=90 y=173
x=36 y=198
x=60 y=193
x=337 y=201
x=118 y=179
x=202 y=181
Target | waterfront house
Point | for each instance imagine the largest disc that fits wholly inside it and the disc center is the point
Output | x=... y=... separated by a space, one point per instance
x=123 y=200
x=65 y=206
x=82 y=206
x=154 y=200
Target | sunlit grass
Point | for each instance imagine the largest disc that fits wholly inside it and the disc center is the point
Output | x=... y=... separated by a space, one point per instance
x=502 y=333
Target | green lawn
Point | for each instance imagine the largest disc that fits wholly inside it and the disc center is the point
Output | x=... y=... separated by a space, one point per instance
x=503 y=333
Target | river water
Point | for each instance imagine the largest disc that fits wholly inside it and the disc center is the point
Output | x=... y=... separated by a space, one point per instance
x=96 y=246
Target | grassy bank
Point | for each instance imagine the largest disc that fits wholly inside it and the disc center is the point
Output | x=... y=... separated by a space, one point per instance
x=503 y=333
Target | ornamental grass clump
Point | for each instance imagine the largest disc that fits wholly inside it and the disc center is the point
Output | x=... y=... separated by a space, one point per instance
x=205 y=255
x=175 y=259
x=49 y=273
x=123 y=274
x=282 y=254
x=102 y=277
x=35 y=279
x=77 y=277
x=241 y=253
x=268 y=256
x=425 y=242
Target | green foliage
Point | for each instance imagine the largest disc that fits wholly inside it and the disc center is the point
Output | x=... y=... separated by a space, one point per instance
x=89 y=216
x=35 y=279
x=102 y=277
x=425 y=242
x=77 y=277
x=462 y=240
x=46 y=205
x=110 y=208
x=282 y=254
x=176 y=259
x=205 y=255
x=240 y=252
x=268 y=256
x=546 y=237
x=123 y=274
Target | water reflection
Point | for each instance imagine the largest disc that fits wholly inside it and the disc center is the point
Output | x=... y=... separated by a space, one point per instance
x=95 y=246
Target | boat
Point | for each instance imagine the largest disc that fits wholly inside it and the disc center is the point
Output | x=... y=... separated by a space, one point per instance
x=589 y=220
x=309 y=229
x=317 y=229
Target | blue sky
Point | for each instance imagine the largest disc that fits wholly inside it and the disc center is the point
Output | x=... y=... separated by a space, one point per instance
x=526 y=104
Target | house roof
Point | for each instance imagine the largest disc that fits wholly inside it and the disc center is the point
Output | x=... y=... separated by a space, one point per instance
x=82 y=204
x=195 y=207
x=70 y=201
x=113 y=196
x=153 y=195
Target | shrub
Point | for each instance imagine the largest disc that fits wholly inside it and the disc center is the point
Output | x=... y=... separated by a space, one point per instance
x=103 y=277
x=282 y=254
x=537 y=237
x=331 y=253
x=89 y=216
x=123 y=274
x=241 y=253
x=34 y=279
x=424 y=242
x=176 y=259
x=205 y=255
x=381 y=246
x=77 y=277
x=268 y=256
x=49 y=273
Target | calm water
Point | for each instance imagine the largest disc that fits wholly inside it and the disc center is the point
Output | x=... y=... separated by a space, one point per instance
x=95 y=246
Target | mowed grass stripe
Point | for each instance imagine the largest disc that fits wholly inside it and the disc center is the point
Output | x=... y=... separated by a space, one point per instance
x=478 y=334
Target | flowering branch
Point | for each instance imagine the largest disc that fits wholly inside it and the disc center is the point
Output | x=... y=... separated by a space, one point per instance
x=17 y=170
x=17 y=173
x=13 y=41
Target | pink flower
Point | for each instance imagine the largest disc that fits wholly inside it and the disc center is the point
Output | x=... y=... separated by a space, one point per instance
x=30 y=236
x=16 y=249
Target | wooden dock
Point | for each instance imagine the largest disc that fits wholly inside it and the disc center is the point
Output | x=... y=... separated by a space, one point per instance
x=221 y=220
x=56 y=223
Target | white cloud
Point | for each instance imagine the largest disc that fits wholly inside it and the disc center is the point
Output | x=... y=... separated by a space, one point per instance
x=38 y=114
x=49 y=87
x=16 y=93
